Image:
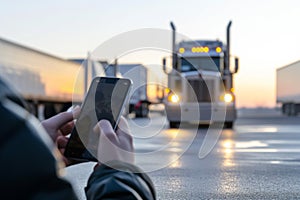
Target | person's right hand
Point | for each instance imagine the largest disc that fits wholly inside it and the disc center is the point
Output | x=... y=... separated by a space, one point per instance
x=115 y=145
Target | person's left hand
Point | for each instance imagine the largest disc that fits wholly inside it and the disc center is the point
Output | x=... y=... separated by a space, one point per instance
x=58 y=127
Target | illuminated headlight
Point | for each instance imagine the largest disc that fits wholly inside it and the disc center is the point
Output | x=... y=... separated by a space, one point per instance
x=228 y=98
x=173 y=98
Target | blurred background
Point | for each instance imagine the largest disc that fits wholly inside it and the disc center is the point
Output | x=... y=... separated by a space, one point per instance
x=264 y=34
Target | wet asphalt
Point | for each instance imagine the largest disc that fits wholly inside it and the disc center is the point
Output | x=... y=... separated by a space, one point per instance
x=258 y=159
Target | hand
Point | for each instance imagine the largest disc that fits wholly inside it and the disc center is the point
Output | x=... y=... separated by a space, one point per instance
x=115 y=145
x=58 y=127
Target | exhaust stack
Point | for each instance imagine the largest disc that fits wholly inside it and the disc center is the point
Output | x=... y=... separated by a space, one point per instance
x=227 y=59
x=174 y=54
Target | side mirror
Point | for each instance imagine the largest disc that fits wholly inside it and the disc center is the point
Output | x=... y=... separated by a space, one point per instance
x=164 y=64
x=236 y=65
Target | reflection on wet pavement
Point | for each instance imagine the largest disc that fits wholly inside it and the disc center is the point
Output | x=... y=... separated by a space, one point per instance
x=249 y=162
x=267 y=144
x=268 y=128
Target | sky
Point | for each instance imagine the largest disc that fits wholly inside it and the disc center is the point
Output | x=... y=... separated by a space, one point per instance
x=265 y=34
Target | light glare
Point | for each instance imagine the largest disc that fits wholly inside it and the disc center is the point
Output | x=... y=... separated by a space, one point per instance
x=228 y=98
x=173 y=98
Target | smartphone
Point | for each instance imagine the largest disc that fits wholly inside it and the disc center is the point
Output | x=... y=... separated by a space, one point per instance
x=105 y=99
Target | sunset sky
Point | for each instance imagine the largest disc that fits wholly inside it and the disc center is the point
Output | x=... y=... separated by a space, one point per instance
x=265 y=34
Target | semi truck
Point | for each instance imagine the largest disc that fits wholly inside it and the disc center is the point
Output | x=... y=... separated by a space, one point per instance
x=138 y=102
x=48 y=83
x=287 y=90
x=200 y=82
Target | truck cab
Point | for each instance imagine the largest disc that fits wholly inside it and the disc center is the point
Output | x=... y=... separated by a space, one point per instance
x=200 y=84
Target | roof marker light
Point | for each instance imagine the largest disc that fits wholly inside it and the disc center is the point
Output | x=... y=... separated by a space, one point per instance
x=206 y=49
x=181 y=50
x=218 y=50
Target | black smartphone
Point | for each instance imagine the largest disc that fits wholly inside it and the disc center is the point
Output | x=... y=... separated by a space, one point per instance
x=105 y=99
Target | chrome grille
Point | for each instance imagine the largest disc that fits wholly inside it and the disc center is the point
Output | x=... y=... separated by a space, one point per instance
x=203 y=90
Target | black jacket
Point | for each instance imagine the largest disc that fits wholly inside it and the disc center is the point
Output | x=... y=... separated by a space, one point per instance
x=30 y=165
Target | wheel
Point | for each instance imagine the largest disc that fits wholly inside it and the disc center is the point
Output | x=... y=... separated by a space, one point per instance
x=130 y=108
x=142 y=111
x=293 y=110
x=228 y=124
x=284 y=109
x=173 y=124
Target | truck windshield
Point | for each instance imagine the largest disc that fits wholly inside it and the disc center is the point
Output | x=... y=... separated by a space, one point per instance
x=202 y=63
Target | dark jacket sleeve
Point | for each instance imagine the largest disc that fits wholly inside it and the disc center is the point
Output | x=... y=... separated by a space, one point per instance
x=119 y=180
x=29 y=169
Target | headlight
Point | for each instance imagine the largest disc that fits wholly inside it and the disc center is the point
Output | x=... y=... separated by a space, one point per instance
x=173 y=98
x=227 y=97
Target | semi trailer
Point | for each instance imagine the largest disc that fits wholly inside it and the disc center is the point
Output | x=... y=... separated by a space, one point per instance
x=287 y=88
x=48 y=83
x=138 y=102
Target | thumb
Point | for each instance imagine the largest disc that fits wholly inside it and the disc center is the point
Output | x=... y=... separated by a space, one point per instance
x=105 y=126
x=107 y=130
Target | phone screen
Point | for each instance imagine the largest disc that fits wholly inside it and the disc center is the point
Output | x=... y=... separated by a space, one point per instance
x=104 y=100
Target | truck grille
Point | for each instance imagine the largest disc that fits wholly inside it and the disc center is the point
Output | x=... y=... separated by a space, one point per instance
x=201 y=89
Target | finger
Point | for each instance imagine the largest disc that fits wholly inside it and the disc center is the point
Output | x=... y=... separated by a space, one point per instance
x=66 y=160
x=123 y=125
x=58 y=120
x=96 y=128
x=76 y=112
x=61 y=142
x=124 y=134
x=123 y=129
x=67 y=128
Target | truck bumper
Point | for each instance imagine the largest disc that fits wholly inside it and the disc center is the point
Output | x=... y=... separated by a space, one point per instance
x=201 y=113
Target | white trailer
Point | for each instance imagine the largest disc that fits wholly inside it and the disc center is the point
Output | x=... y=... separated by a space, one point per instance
x=138 y=103
x=287 y=88
x=45 y=81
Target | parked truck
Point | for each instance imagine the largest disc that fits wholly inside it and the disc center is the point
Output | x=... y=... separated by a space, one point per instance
x=138 y=102
x=200 y=80
x=287 y=89
x=48 y=83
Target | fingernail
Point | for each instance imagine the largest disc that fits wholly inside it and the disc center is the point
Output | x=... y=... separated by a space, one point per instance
x=72 y=108
x=76 y=110
x=96 y=128
x=76 y=107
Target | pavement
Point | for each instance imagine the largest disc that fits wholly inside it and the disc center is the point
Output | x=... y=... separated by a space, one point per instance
x=258 y=159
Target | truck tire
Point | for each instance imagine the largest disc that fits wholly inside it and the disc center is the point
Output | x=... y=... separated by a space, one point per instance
x=293 y=110
x=283 y=109
x=289 y=109
x=174 y=124
x=228 y=125
x=142 y=111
